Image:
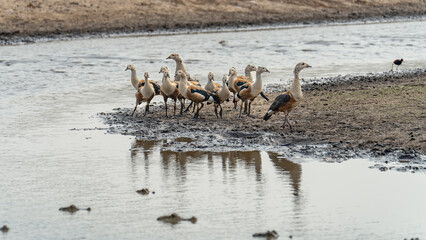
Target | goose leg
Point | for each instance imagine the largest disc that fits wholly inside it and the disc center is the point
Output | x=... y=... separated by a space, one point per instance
x=136 y=106
x=249 y=108
x=198 y=110
x=196 y=114
x=285 y=121
x=245 y=107
x=182 y=105
x=165 y=104
x=220 y=113
x=187 y=109
x=241 y=109
x=146 y=108
x=134 y=110
x=174 y=108
x=215 y=111
x=235 y=102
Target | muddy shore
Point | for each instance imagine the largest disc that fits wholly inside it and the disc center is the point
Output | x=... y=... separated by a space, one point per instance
x=380 y=115
x=29 y=20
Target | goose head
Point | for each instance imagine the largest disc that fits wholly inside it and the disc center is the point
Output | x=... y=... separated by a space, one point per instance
x=251 y=68
x=300 y=66
x=146 y=75
x=180 y=75
x=174 y=56
x=232 y=71
x=210 y=76
x=130 y=67
x=164 y=70
x=225 y=80
x=262 y=70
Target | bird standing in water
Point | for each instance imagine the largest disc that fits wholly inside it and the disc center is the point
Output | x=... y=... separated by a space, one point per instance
x=397 y=62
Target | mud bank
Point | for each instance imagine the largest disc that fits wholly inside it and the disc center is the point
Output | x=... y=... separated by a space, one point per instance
x=29 y=20
x=379 y=115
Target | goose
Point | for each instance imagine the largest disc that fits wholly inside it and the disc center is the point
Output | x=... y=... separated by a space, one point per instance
x=139 y=83
x=247 y=76
x=169 y=89
x=250 y=91
x=181 y=66
x=287 y=101
x=220 y=95
x=196 y=94
x=211 y=85
x=179 y=63
x=145 y=94
x=235 y=82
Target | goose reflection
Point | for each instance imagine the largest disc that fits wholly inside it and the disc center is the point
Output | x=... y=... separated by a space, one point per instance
x=294 y=170
x=145 y=147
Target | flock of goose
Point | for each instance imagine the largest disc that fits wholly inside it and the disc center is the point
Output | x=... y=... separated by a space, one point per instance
x=243 y=88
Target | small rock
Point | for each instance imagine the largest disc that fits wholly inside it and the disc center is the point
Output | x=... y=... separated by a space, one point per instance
x=383 y=169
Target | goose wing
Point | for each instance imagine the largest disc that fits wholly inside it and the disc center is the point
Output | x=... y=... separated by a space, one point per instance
x=280 y=101
x=156 y=87
x=200 y=93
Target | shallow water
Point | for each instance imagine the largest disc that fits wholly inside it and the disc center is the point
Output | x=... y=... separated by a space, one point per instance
x=54 y=150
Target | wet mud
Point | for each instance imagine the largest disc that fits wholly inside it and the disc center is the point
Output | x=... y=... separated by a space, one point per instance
x=379 y=115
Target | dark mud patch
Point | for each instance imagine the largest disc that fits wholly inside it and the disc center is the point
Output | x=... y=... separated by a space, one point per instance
x=379 y=116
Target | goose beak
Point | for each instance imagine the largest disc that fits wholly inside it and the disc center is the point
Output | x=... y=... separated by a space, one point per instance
x=168 y=57
x=309 y=66
x=126 y=69
x=267 y=71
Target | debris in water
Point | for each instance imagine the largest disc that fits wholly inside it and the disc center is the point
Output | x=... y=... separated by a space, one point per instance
x=268 y=234
x=5 y=229
x=143 y=191
x=174 y=219
x=72 y=209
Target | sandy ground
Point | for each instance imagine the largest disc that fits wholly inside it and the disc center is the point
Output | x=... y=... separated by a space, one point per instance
x=380 y=115
x=37 y=18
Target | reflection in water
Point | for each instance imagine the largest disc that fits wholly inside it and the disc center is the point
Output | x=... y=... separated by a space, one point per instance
x=293 y=169
x=230 y=160
x=142 y=146
x=168 y=157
